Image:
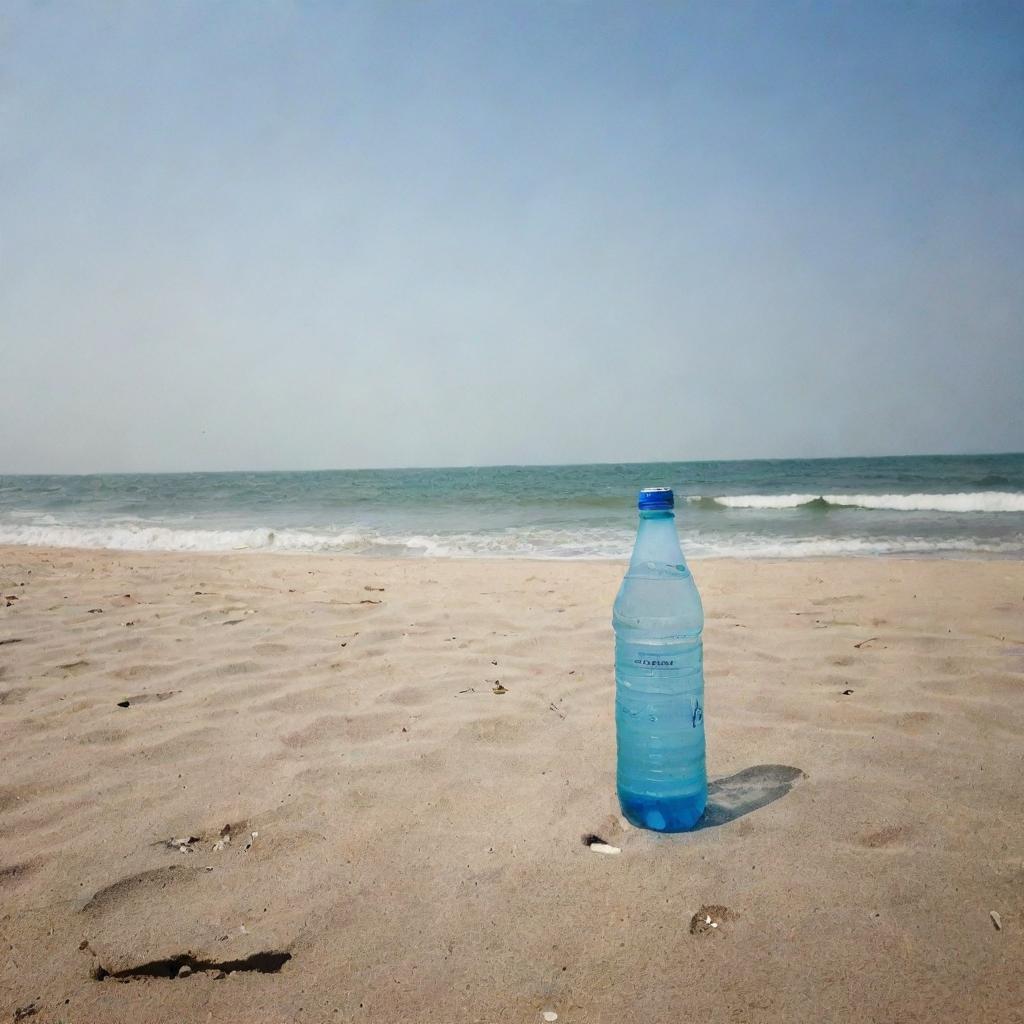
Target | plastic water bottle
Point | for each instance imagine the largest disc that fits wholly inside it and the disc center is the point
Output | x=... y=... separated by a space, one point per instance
x=659 y=677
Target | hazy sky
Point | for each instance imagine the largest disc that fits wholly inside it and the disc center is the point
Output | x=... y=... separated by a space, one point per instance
x=301 y=235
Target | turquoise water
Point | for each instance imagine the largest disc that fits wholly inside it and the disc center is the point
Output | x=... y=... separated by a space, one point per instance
x=969 y=506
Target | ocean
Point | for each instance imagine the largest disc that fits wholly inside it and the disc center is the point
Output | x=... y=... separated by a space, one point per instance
x=938 y=506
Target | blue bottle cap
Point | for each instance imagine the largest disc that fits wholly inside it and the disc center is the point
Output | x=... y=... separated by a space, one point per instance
x=653 y=498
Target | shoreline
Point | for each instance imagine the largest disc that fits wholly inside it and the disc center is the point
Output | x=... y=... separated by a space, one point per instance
x=12 y=550
x=404 y=836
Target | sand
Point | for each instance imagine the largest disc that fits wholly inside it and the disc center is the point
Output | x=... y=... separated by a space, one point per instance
x=406 y=844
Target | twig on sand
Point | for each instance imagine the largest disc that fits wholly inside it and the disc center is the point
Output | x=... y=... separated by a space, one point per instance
x=869 y=639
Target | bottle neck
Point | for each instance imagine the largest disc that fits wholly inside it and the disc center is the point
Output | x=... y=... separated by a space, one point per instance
x=656 y=540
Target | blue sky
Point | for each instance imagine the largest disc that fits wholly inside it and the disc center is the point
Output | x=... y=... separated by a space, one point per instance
x=290 y=235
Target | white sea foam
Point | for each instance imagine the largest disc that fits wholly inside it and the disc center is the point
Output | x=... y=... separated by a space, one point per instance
x=521 y=542
x=832 y=547
x=515 y=543
x=965 y=501
x=129 y=537
x=526 y=542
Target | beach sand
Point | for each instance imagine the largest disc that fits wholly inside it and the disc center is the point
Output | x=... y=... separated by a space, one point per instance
x=406 y=844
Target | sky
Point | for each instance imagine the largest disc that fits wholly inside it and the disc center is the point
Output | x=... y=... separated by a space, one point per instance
x=336 y=235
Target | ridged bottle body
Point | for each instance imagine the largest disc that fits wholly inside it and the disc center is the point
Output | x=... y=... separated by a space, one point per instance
x=659 y=684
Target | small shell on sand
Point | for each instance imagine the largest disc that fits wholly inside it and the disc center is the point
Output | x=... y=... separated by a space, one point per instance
x=604 y=848
x=996 y=919
x=549 y=1015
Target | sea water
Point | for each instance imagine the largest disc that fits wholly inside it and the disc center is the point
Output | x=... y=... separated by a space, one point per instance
x=934 y=506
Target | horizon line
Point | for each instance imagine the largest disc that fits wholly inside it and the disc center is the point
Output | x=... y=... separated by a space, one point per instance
x=517 y=465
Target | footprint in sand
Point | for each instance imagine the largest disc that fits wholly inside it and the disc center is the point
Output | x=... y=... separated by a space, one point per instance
x=338 y=731
x=140 y=885
x=157 y=882
x=237 y=668
x=103 y=737
x=271 y=648
x=405 y=696
x=915 y=721
x=12 y=874
x=498 y=732
x=145 y=671
x=882 y=838
x=69 y=668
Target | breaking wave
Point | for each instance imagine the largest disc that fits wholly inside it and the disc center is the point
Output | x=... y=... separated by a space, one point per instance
x=965 y=501
x=519 y=542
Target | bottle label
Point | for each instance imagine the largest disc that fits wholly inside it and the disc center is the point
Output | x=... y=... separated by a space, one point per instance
x=648 y=660
x=647 y=673
x=674 y=658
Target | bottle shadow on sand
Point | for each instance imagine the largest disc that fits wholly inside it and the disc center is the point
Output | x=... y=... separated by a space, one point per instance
x=749 y=790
